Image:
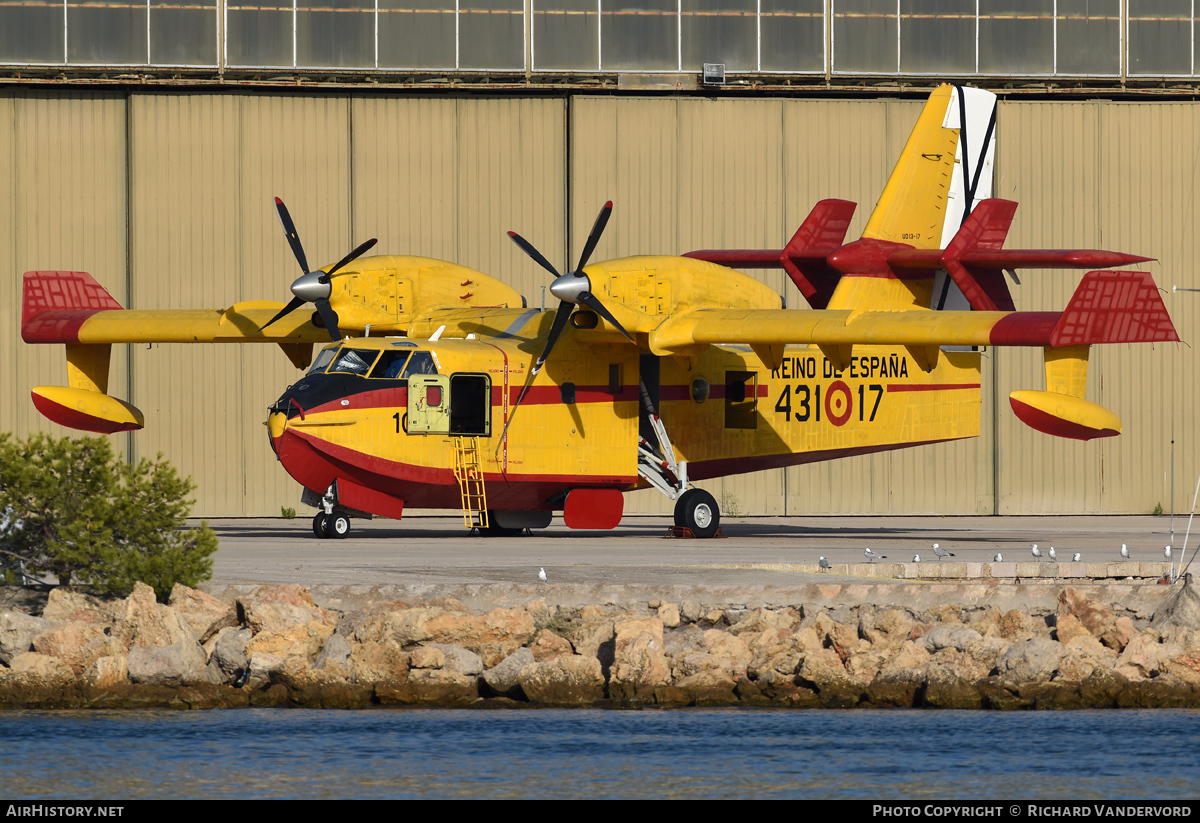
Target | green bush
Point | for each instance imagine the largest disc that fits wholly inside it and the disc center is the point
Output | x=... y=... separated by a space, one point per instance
x=76 y=511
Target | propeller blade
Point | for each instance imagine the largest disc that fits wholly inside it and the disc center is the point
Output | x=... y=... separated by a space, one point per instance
x=294 y=304
x=560 y=322
x=594 y=237
x=528 y=248
x=289 y=228
x=352 y=256
x=329 y=318
x=588 y=299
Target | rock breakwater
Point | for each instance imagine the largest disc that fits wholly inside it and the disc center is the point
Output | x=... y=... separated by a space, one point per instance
x=1076 y=647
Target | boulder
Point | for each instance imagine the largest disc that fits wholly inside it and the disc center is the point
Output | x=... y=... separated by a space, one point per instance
x=77 y=644
x=564 y=681
x=437 y=687
x=1181 y=609
x=105 y=672
x=457 y=659
x=228 y=651
x=373 y=663
x=1068 y=627
x=178 y=664
x=334 y=654
x=505 y=678
x=142 y=621
x=64 y=605
x=1098 y=619
x=1143 y=656
x=708 y=687
x=889 y=628
x=1030 y=661
x=639 y=666
x=950 y=637
x=759 y=620
x=17 y=631
x=547 y=645
x=493 y=636
x=668 y=613
x=690 y=611
x=286 y=622
x=823 y=669
x=727 y=647
x=426 y=657
x=204 y=614
x=33 y=671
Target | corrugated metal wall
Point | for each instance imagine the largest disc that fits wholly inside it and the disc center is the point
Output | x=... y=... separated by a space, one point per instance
x=166 y=199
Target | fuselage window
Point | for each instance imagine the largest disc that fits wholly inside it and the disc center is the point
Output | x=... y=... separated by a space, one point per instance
x=421 y=362
x=323 y=359
x=354 y=361
x=390 y=365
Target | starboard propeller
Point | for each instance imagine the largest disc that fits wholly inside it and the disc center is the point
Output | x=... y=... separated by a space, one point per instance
x=312 y=286
x=572 y=289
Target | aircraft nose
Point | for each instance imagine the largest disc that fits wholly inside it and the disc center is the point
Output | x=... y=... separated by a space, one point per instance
x=276 y=423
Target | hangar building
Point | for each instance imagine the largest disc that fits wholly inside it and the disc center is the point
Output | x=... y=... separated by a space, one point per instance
x=143 y=142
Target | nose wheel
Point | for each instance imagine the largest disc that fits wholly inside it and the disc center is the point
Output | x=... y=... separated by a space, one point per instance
x=336 y=525
x=697 y=510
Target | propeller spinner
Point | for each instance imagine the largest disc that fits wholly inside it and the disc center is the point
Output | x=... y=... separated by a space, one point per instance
x=312 y=286
x=572 y=289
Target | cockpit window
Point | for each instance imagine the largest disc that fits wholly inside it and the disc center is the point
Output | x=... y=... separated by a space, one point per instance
x=421 y=362
x=390 y=365
x=322 y=361
x=354 y=361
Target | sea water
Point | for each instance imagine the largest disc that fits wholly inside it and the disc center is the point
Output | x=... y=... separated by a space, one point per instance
x=681 y=753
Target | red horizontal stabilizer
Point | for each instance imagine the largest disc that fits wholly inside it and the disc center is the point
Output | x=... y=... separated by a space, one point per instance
x=805 y=256
x=54 y=305
x=1114 y=307
x=985 y=229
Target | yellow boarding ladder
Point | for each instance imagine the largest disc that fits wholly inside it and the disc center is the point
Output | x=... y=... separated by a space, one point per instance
x=470 y=482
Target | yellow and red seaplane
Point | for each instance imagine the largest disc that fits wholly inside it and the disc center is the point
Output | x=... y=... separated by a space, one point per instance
x=439 y=389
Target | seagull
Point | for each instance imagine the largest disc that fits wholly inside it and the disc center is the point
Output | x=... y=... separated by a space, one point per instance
x=1053 y=556
x=823 y=563
x=1037 y=552
x=1167 y=552
x=999 y=558
x=542 y=575
x=917 y=557
x=940 y=552
x=1075 y=557
x=872 y=556
x=1124 y=551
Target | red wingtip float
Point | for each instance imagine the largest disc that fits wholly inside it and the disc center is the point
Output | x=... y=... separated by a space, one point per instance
x=651 y=371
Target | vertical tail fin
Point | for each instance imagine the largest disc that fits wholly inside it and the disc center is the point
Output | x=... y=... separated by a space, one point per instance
x=945 y=168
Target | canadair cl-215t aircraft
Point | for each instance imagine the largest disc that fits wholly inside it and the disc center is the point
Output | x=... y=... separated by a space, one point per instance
x=440 y=390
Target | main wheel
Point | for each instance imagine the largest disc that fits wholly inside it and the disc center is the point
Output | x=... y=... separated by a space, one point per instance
x=320 y=524
x=700 y=513
x=338 y=525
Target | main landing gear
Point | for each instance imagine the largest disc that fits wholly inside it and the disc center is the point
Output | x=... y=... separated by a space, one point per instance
x=336 y=525
x=697 y=510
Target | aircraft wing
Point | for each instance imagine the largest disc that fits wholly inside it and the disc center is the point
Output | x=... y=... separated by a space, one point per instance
x=71 y=307
x=1108 y=307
